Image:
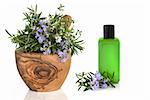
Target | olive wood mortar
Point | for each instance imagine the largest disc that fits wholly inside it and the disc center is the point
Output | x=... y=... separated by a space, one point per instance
x=42 y=73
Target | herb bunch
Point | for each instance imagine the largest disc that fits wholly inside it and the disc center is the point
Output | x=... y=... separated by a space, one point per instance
x=48 y=35
x=91 y=81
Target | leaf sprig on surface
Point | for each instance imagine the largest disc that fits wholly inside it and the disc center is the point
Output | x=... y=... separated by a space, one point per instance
x=91 y=81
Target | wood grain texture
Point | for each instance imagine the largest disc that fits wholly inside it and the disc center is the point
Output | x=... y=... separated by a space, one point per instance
x=40 y=72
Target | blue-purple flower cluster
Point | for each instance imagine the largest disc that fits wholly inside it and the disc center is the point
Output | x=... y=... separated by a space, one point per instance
x=91 y=81
x=98 y=81
x=40 y=30
x=43 y=37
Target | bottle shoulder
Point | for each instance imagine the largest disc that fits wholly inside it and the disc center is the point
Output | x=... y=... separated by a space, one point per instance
x=116 y=40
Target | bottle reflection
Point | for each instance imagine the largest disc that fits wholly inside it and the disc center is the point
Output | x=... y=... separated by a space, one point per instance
x=55 y=95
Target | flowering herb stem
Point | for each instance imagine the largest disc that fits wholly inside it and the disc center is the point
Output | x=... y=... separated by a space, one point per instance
x=48 y=35
x=91 y=81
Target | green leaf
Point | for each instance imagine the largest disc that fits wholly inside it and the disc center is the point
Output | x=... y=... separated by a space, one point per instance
x=79 y=88
x=8 y=33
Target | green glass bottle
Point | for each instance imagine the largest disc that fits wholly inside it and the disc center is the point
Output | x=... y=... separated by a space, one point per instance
x=109 y=54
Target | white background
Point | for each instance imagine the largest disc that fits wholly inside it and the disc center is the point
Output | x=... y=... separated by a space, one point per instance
x=132 y=22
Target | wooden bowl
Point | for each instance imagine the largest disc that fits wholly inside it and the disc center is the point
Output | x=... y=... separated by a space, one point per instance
x=40 y=72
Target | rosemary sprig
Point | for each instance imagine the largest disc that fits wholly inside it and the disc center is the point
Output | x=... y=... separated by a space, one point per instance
x=91 y=81
x=48 y=35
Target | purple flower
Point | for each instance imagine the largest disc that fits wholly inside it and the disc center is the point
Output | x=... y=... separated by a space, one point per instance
x=37 y=35
x=98 y=81
x=64 y=44
x=63 y=55
x=40 y=30
x=41 y=22
x=104 y=86
x=41 y=39
x=60 y=53
x=92 y=82
x=95 y=86
x=98 y=76
x=48 y=51
x=44 y=27
x=64 y=59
